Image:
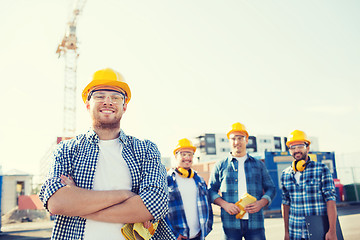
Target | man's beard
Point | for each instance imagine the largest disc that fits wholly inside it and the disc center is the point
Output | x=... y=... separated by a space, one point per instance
x=115 y=124
x=303 y=156
x=107 y=126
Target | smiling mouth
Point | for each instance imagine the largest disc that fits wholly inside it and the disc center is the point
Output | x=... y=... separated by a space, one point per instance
x=107 y=111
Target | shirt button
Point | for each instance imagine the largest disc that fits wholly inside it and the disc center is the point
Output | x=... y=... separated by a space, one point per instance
x=236 y=191
x=235 y=180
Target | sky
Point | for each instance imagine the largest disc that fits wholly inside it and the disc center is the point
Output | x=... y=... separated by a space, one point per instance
x=193 y=66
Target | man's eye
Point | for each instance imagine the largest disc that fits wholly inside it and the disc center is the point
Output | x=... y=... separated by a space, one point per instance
x=116 y=97
x=99 y=97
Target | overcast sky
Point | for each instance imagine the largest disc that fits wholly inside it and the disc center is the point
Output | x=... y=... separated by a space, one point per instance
x=193 y=66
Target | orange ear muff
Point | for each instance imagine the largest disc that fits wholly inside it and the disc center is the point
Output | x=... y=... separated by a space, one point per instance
x=185 y=173
x=299 y=165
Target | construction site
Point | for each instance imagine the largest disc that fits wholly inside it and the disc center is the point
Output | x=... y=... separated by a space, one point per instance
x=191 y=75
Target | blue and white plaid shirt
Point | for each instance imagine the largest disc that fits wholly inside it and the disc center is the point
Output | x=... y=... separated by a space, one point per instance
x=78 y=158
x=176 y=214
x=224 y=177
x=308 y=197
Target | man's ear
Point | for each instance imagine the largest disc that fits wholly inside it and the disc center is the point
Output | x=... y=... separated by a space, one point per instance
x=87 y=104
x=124 y=107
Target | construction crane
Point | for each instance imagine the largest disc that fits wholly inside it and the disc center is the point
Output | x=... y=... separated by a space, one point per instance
x=68 y=48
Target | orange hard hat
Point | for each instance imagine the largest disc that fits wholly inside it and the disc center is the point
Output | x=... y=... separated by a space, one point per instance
x=184 y=143
x=238 y=127
x=297 y=136
x=107 y=77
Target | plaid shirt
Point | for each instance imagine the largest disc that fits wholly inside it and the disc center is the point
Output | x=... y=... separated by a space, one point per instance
x=78 y=158
x=176 y=208
x=309 y=197
x=224 y=178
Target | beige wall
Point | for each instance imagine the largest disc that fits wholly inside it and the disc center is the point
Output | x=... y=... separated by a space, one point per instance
x=9 y=194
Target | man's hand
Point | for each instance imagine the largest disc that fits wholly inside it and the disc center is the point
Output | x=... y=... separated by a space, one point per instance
x=67 y=180
x=180 y=237
x=287 y=236
x=231 y=208
x=147 y=224
x=331 y=235
x=256 y=206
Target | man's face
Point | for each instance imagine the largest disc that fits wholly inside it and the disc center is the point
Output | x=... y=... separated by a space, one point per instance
x=238 y=141
x=184 y=158
x=106 y=108
x=299 y=150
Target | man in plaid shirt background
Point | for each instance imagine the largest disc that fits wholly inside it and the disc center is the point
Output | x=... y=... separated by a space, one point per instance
x=234 y=176
x=190 y=212
x=307 y=189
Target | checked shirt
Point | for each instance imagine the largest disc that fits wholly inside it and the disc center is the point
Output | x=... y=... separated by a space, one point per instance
x=176 y=214
x=224 y=177
x=309 y=197
x=78 y=158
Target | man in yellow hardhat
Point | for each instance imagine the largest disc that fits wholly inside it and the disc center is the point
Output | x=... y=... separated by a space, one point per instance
x=307 y=189
x=240 y=178
x=117 y=178
x=190 y=212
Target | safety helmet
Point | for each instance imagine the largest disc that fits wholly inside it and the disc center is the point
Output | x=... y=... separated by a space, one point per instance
x=184 y=143
x=238 y=127
x=107 y=77
x=297 y=136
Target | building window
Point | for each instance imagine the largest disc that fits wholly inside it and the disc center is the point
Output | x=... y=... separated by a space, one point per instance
x=277 y=143
x=211 y=150
x=210 y=140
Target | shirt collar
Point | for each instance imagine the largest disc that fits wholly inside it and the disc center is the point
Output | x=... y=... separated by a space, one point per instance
x=232 y=158
x=94 y=138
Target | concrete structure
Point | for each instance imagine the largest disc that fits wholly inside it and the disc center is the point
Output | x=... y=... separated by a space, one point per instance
x=15 y=184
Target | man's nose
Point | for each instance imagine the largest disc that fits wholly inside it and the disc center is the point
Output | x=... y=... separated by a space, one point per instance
x=107 y=100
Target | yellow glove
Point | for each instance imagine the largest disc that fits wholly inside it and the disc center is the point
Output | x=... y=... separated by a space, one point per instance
x=135 y=231
x=245 y=200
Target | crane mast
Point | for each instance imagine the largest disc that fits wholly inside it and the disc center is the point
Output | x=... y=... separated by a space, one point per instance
x=68 y=48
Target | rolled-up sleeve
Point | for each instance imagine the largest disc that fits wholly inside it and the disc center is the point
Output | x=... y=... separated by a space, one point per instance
x=268 y=184
x=53 y=181
x=214 y=183
x=153 y=188
x=327 y=181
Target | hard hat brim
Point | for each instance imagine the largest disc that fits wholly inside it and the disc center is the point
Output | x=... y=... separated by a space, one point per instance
x=177 y=149
x=288 y=143
x=100 y=82
x=241 y=131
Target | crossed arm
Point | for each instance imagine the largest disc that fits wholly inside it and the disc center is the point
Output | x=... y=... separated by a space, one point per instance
x=117 y=206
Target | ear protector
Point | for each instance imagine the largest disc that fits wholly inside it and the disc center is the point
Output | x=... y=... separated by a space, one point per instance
x=299 y=165
x=185 y=173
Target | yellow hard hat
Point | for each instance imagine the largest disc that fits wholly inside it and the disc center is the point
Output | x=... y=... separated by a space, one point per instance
x=297 y=136
x=184 y=143
x=107 y=77
x=238 y=127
